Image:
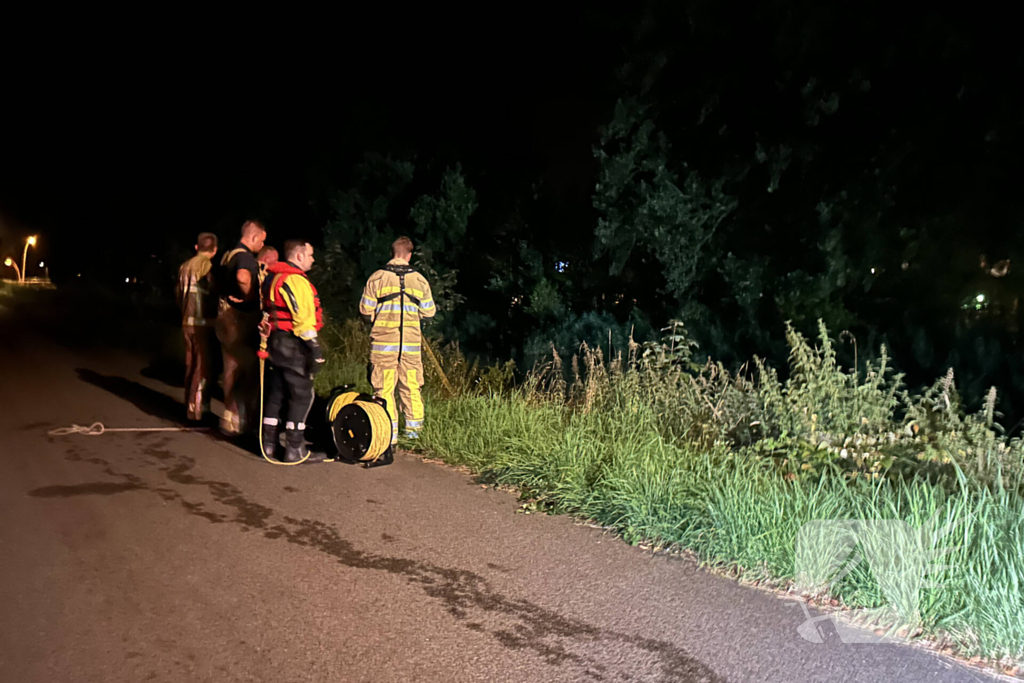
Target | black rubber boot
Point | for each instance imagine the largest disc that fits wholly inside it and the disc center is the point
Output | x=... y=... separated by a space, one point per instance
x=270 y=443
x=294 y=446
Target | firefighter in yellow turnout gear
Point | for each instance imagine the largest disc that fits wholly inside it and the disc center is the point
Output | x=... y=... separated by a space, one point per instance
x=396 y=298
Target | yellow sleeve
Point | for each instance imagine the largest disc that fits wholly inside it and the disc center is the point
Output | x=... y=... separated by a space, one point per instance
x=427 y=308
x=298 y=297
x=368 y=302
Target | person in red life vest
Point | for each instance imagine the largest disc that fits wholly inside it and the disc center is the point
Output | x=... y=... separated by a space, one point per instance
x=293 y=309
x=198 y=303
x=237 y=329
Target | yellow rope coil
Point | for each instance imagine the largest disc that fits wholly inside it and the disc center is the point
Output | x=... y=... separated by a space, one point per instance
x=340 y=402
x=380 y=423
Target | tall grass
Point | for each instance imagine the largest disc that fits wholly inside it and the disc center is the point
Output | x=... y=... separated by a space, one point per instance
x=347 y=347
x=732 y=466
x=447 y=372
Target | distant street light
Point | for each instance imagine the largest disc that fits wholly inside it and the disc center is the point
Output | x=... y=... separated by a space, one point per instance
x=10 y=263
x=30 y=242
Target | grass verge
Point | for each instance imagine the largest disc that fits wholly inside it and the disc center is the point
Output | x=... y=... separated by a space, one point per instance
x=741 y=470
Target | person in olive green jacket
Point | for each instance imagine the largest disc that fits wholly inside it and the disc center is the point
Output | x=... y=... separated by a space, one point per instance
x=198 y=303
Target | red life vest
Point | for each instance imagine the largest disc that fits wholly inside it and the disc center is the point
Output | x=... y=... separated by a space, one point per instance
x=274 y=305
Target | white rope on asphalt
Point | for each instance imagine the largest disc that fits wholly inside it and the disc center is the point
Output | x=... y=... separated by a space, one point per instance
x=97 y=428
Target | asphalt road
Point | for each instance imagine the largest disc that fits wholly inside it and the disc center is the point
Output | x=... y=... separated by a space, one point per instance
x=179 y=557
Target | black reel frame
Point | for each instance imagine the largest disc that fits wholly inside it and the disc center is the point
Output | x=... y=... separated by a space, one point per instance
x=346 y=453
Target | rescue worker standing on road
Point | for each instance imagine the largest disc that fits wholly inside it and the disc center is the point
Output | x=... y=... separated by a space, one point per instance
x=198 y=303
x=293 y=312
x=237 y=328
x=394 y=301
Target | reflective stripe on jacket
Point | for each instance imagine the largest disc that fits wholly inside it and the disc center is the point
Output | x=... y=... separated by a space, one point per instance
x=194 y=292
x=291 y=301
x=396 y=313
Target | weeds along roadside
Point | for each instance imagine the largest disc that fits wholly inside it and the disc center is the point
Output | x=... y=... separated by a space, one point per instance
x=731 y=466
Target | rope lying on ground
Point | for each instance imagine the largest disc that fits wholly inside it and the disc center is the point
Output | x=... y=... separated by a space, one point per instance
x=97 y=428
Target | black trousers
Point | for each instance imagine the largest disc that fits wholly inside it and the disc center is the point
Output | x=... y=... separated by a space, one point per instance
x=289 y=391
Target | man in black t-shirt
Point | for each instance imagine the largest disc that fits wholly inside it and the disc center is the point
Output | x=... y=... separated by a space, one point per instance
x=237 y=322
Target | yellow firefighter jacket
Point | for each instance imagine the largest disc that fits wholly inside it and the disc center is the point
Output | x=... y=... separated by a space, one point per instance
x=395 y=299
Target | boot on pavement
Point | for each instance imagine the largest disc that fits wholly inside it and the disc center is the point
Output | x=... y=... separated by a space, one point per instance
x=270 y=443
x=294 y=446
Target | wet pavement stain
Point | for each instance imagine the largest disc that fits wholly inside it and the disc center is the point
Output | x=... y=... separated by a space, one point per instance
x=517 y=624
x=96 y=488
x=248 y=514
x=32 y=426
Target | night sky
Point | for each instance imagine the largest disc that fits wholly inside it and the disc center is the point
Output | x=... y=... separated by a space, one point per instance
x=121 y=147
x=117 y=142
x=124 y=137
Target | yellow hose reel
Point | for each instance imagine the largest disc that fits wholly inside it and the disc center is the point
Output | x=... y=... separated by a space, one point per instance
x=361 y=427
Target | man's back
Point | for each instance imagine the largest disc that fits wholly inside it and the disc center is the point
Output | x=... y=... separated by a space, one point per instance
x=395 y=300
x=195 y=291
x=238 y=258
x=394 y=311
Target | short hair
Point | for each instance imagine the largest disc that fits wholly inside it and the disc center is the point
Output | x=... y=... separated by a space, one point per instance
x=206 y=242
x=266 y=251
x=250 y=228
x=401 y=247
x=292 y=247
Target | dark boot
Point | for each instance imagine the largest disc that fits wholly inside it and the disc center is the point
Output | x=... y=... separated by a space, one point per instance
x=294 y=446
x=270 y=443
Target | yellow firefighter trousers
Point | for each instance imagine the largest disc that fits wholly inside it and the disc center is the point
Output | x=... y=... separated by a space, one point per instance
x=408 y=378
